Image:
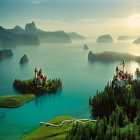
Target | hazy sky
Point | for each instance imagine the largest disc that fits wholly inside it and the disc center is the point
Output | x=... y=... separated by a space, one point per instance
x=88 y=17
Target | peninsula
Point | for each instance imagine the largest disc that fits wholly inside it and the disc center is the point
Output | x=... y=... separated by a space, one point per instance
x=56 y=129
x=108 y=56
x=39 y=85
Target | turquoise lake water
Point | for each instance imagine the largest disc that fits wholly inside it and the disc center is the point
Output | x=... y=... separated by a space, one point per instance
x=68 y=62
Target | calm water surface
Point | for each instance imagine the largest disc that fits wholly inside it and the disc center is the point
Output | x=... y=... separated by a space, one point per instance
x=68 y=62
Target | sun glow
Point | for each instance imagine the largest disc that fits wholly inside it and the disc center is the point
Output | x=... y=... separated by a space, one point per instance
x=134 y=21
x=133 y=67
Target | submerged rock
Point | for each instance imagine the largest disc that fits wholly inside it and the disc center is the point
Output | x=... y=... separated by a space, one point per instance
x=105 y=39
x=24 y=59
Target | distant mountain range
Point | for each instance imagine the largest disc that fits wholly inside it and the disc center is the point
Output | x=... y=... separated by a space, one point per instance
x=11 y=39
x=31 y=35
x=75 y=36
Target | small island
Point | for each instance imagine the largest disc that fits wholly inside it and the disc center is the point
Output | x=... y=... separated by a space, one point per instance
x=24 y=59
x=104 y=39
x=6 y=53
x=39 y=85
x=108 y=56
x=123 y=37
x=137 y=41
x=13 y=101
x=85 y=47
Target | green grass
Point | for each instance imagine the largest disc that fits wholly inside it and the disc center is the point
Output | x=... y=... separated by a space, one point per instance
x=49 y=132
x=13 y=101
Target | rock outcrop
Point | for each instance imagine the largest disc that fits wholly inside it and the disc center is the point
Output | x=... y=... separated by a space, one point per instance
x=85 y=47
x=24 y=59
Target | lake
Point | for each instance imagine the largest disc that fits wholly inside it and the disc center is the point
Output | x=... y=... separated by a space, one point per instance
x=68 y=62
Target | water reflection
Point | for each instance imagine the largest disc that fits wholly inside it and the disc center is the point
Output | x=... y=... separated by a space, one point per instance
x=3 y=112
x=40 y=100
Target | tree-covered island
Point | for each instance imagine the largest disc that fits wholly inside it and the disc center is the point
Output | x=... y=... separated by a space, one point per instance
x=38 y=85
x=109 y=56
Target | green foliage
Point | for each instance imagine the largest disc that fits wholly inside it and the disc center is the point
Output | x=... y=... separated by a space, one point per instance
x=136 y=88
x=137 y=71
x=29 y=86
x=117 y=111
x=103 y=103
x=12 y=101
x=117 y=128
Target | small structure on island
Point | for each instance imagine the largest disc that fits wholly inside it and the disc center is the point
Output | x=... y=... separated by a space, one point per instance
x=121 y=78
x=39 y=77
